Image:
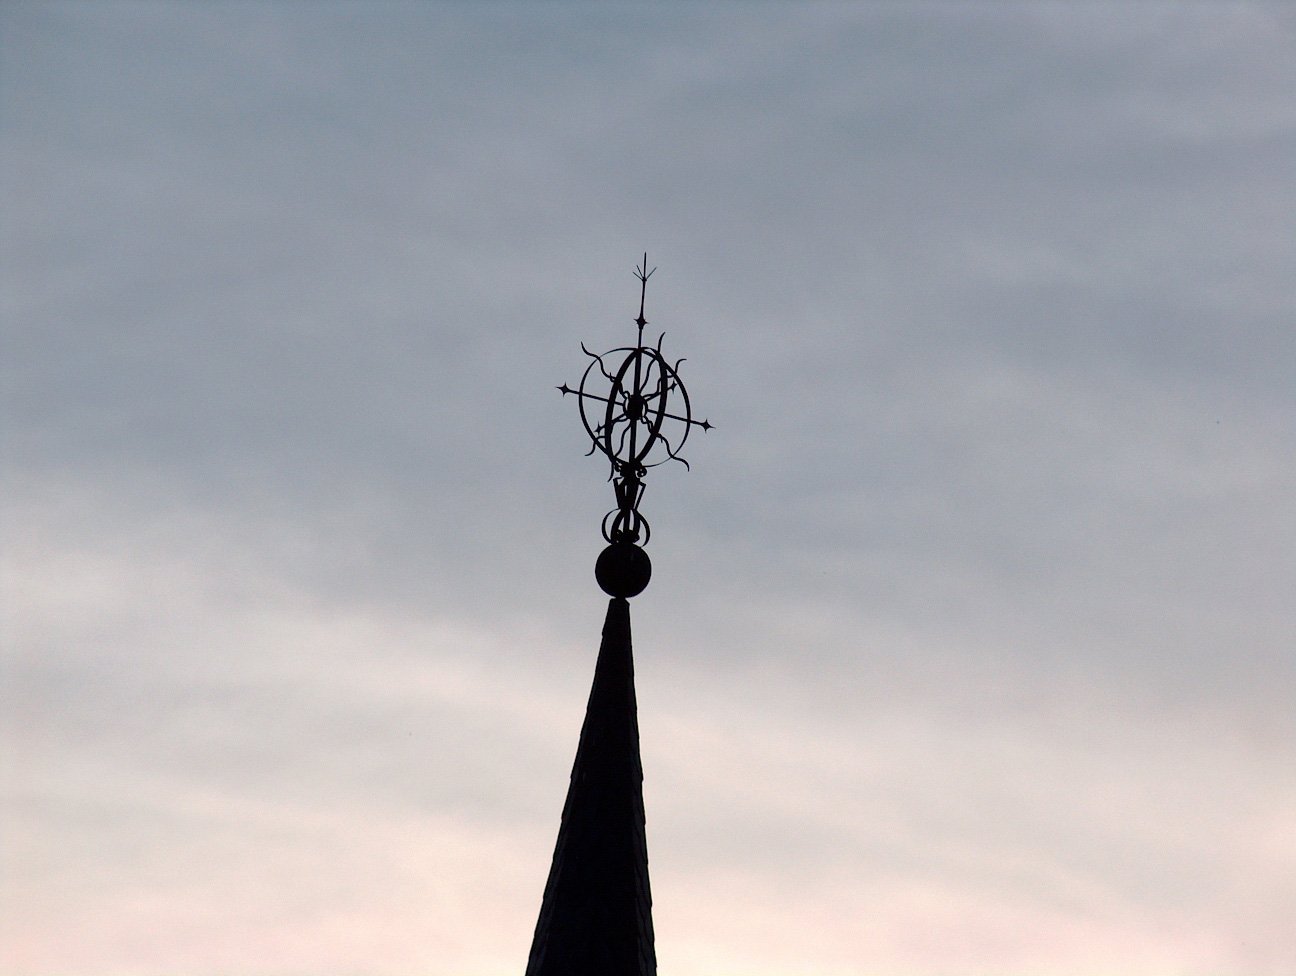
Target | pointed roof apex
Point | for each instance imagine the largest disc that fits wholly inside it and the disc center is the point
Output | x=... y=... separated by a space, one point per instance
x=596 y=916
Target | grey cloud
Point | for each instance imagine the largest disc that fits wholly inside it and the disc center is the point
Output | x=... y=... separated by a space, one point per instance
x=990 y=308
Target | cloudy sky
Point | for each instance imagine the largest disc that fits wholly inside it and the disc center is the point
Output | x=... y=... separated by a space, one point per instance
x=971 y=647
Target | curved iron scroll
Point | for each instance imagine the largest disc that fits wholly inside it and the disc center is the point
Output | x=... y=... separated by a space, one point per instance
x=638 y=415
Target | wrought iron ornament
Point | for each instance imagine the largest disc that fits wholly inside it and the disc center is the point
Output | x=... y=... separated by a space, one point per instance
x=638 y=415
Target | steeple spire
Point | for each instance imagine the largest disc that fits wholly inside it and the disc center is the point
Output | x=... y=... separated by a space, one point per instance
x=596 y=916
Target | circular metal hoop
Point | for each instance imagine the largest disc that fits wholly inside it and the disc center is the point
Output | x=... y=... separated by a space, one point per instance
x=620 y=525
x=636 y=428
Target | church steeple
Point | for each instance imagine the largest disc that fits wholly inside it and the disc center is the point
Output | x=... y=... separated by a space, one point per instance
x=596 y=914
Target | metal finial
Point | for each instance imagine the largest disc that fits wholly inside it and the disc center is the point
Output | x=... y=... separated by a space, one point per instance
x=643 y=274
x=641 y=421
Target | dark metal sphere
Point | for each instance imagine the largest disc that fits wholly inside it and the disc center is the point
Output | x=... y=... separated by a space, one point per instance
x=623 y=570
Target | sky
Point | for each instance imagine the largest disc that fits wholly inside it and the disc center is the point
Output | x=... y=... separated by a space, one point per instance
x=970 y=647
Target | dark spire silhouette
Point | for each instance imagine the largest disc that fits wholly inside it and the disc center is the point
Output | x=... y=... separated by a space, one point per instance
x=596 y=916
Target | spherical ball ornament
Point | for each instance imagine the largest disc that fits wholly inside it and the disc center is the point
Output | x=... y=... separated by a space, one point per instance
x=623 y=570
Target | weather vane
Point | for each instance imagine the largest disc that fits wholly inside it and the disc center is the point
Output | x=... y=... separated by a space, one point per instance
x=638 y=415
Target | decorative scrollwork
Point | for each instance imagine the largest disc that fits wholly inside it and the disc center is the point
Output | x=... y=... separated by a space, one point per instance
x=637 y=414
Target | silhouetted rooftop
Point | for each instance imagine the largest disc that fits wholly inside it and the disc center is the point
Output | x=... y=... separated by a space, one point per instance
x=596 y=916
